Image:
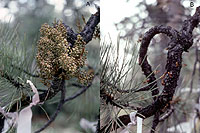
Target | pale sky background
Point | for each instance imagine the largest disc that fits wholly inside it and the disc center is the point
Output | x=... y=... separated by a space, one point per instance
x=7 y=14
x=112 y=11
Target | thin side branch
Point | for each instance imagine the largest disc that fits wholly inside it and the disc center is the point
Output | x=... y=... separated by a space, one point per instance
x=78 y=93
x=58 y=109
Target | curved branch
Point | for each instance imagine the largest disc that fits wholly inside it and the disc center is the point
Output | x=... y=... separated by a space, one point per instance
x=173 y=66
x=180 y=42
x=146 y=67
x=148 y=36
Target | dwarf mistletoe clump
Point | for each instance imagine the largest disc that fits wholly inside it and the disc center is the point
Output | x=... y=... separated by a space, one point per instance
x=56 y=56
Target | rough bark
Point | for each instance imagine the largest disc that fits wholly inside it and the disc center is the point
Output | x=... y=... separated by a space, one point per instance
x=180 y=42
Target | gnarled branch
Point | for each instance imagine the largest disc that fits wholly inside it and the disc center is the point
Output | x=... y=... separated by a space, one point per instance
x=180 y=41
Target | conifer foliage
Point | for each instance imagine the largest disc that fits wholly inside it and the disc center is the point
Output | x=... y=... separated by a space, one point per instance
x=60 y=56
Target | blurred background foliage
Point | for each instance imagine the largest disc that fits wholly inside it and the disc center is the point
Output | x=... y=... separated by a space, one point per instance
x=131 y=24
x=20 y=23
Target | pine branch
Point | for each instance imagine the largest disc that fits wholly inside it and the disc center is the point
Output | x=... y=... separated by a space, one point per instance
x=26 y=72
x=178 y=46
x=155 y=122
x=167 y=114
x=57 y=83
x=58 y=109
x=88 y=30
x=62 y=102
x=12 y=80
x=180 y=41
x=146 y=67
x=78 y=93
x=91 y=24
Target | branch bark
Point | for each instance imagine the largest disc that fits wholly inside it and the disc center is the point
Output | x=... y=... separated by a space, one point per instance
x=58 y=109
x=180 y=42
x=56 y=85
x=88 y=30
